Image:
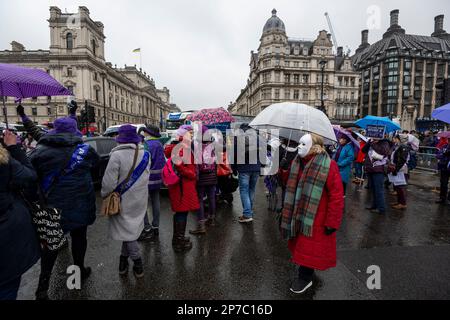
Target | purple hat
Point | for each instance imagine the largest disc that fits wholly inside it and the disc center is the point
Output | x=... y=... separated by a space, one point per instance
x=65 y=125
x=184 y=129
x=128 y=134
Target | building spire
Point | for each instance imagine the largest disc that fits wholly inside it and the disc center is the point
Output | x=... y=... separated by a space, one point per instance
x=274 y=12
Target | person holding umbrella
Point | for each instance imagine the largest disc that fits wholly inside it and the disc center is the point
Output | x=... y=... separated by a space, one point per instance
x=312 y=211
x=443 y=157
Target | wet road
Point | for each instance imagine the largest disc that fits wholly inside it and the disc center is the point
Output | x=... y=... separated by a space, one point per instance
x=235 y=261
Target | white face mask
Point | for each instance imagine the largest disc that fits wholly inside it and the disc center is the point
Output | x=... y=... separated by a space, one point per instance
x=304 y=145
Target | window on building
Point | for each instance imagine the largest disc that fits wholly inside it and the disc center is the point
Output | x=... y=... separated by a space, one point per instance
x=296 y=94
x=305 y=95
x=49 y=111
x=34 y=111
x=286 y=63
x=95 y=76
x=277 y=94
x=287 y=94
x=70 y=88
x=296 y=78
x=277 y=76
x=69 y=72
x=94 y=49
x=287 y=78
x=305 y=78
x=69 y=41
x=97 y=95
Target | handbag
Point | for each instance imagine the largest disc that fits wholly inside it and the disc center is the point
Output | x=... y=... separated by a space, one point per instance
x=47 y=220
x=111 y=205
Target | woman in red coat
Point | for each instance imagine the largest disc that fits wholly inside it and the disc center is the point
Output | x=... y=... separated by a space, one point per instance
x=312 y=212
x=183 y=196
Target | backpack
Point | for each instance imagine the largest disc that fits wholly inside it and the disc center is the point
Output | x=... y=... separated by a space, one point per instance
x=170 y=176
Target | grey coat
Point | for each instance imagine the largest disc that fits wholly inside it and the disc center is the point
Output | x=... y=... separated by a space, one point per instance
x=128 y=225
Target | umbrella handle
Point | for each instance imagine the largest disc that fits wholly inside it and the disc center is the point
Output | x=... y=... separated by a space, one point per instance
x=5 y=113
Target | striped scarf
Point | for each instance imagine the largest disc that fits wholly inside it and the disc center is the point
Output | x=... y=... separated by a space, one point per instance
x=303 y=196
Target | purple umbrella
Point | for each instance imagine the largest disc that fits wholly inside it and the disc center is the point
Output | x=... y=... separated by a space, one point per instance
x=442 y=113
x=339 y=131
x=21 y=82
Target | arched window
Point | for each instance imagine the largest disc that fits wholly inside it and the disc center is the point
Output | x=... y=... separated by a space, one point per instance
x=69 y=41
x=93 y=46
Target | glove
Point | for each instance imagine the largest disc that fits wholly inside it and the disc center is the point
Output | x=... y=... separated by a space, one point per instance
x=329 y=231
x=20 y=111
x=73 y=106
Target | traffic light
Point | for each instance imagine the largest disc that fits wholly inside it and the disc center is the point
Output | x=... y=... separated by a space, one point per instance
x=82 y=119
x=90 y=114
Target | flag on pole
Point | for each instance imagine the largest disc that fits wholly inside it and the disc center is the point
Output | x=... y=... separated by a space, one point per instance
x=137 y=50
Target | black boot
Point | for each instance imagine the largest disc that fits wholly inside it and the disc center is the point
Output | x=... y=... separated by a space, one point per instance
x=123 y=265
x=138 y=268
x=179 y=241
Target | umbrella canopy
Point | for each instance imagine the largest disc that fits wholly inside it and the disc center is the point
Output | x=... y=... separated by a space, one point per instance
x=21 y=82
x=293 y=120
x=442 y=113
x=211 y=116
x=339 y=131
x=378 y=121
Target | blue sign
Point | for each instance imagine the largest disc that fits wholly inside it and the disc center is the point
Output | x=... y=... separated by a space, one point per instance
x=375 y=132
x=174 y=116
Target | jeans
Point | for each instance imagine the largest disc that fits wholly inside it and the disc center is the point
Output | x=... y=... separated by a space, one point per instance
x=180 y=216
x=376 y=185
x=210 y=192
x=9 y=290
x=247 y=187
x=445 y=176
x=358 y=170
x=153 y=197
x=131 y=249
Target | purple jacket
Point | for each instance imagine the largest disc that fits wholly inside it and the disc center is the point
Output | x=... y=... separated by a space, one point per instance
x=158 y=161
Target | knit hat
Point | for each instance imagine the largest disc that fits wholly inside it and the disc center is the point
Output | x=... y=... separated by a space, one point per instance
x=183 y=130
x=128 y=134
x=152 y=130
x=403 y=138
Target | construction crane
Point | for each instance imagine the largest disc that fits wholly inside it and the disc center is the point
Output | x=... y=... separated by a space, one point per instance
x=331 y=30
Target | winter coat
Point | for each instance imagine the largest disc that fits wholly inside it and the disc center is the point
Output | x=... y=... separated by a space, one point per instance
x=74 y=194
x=399 y=158
x=157 y=163
x=319 y=251
x=250 y=160
x=19 y=244
x=345 y=161
x=183 y=196
x=128 y=225
x=382 y=147
x=443 y=157
x=361 y=155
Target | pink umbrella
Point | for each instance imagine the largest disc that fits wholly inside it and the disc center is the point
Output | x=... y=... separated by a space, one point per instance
x=339 y=131
x=211 y=116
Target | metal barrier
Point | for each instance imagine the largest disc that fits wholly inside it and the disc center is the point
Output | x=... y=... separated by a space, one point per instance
x=426 y=159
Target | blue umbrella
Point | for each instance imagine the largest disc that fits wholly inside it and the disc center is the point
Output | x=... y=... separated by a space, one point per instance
x=378 y=121
x=442 y=113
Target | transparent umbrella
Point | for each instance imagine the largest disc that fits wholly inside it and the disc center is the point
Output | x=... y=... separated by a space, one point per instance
x=293 y=120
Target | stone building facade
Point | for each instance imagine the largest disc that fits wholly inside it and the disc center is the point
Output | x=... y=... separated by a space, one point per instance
x=287 y=69
x=400 y=72
x=76 y=58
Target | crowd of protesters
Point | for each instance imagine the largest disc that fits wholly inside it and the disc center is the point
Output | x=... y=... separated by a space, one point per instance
x=313 y=180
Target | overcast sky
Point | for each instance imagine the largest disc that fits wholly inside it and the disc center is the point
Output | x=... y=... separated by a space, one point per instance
x=200 y=49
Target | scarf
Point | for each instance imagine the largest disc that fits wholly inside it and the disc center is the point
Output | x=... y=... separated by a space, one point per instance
x=303 y=196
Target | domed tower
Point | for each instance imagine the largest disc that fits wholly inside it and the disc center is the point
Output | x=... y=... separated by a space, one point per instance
x=273 y=36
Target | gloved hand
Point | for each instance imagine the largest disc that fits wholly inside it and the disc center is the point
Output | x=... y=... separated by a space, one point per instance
x=73 y=106
x=20 y=111
x=329 y=231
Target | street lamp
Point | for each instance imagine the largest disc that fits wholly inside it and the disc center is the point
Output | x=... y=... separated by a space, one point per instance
x=322 y=64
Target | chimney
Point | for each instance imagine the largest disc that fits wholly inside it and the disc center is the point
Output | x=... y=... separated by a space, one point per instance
x=394 y=17
x=439 y=26
x=364 y=37
x=340 y=51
